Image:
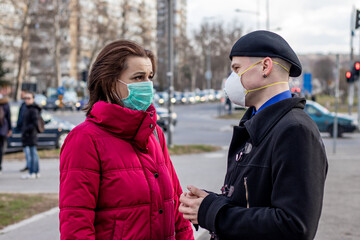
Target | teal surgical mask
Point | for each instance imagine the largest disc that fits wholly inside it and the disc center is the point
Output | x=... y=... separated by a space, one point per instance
x=140 y=95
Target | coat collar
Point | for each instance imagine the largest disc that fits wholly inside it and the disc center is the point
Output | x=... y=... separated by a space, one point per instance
x=262 y=123
x=125 y=123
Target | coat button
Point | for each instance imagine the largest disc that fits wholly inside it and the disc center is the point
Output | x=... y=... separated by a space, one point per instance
x=151 y=125
x=151 y=114
x=161 y=211
x=156 y=175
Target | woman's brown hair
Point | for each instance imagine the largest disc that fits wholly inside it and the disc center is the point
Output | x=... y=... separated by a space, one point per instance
x=107 y=68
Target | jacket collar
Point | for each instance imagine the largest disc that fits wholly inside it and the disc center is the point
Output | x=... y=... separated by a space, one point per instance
x=125 y=123
x=260 y=124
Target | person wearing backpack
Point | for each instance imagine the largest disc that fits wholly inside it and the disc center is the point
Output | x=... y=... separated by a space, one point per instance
x=5 y=117
x=29 y=131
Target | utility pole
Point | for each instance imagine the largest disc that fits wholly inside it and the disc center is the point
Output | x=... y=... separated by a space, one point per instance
x=335 y=124
x=208 y=73
x=351 y=89
x=358 y=112
x=267 y=15
x=357 y=25
x=170 y=69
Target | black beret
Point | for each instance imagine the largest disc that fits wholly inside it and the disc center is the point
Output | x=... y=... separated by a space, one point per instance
x=267 y=44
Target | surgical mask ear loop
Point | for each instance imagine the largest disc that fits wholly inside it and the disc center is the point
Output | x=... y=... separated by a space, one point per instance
x=126 y=87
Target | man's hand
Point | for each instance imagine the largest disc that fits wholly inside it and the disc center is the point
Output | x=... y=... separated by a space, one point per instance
x=190 y=203
x=9 y=133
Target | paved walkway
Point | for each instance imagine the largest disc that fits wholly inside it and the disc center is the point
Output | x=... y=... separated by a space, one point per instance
x=196 y=169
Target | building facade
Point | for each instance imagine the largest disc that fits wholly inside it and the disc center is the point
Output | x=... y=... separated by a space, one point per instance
x=180 y=26
x=64 y=36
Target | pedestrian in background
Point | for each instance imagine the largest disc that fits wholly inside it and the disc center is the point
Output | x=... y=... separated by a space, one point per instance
x=29 y=131
x=20 y=121
x=5 y=117
x=116 y=177
x=229 y=105
x=277 y=164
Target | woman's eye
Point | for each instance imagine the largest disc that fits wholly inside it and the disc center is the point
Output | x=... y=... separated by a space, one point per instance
x=138 y=78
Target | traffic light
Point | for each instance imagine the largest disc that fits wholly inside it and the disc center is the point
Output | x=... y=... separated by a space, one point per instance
x=349 y=77
x=357 y=23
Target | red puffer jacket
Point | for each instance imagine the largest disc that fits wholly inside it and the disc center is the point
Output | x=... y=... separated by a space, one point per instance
x=117 y=180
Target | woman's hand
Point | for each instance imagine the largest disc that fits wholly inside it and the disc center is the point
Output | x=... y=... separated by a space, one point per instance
x=190 y=203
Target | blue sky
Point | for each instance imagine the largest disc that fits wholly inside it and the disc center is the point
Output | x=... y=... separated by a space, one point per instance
x=321 y=26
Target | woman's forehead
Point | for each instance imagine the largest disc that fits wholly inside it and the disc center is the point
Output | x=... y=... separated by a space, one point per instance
x=139 y=63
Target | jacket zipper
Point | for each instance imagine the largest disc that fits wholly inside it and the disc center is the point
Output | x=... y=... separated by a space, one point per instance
x=246 y=193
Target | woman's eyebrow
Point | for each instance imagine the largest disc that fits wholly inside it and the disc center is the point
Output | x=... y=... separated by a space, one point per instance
x=141 y=73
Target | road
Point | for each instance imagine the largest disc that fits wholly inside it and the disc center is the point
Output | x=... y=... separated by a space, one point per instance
x=198 y=124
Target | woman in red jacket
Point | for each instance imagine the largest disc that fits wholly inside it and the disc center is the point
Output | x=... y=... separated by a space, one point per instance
x=116 y=177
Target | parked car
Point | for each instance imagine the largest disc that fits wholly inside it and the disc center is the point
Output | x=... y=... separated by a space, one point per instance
x=52 y=103
x=70 y=100
x=163 y=98
x=54 y=135
x=81 y=104
x=40 y=99
x=324 y=119
x=163 y=117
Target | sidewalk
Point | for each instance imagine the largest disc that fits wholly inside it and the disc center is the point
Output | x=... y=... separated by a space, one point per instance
x=11 y=182
x=197 y=169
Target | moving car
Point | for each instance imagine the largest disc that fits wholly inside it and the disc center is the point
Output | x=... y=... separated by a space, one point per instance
x=56 y=130
x=324 y=119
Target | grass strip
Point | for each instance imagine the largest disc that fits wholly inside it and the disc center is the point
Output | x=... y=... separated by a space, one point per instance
x=175 y=150
x=43 y=154
x=192 y=149
x=15 y=207
x=235 y=115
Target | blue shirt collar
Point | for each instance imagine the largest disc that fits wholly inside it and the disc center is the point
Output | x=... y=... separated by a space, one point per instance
x=274 y=99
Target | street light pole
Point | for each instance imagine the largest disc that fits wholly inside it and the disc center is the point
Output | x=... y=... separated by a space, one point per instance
x=170 y=70
x=351 y=89
x=267 y=16
x=335 y=124
x=208 y=73
x=359 y=90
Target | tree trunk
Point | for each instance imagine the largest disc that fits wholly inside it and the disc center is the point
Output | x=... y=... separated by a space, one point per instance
x=57 y=45
x=74 y=34
x=23 y=53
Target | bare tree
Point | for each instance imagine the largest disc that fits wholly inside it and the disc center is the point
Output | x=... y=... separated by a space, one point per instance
x=214 y=40
x=99 y=27
x=323 y=70
x=18 y=25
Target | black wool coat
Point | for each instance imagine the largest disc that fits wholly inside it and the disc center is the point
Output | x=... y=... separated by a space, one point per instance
x=276 y=172
x=29 y=125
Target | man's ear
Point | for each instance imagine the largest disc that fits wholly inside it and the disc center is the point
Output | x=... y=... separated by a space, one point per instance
x=267 y=65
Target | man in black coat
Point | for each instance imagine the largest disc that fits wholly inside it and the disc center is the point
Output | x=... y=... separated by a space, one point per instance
x=277 y=164
x=29 y=131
